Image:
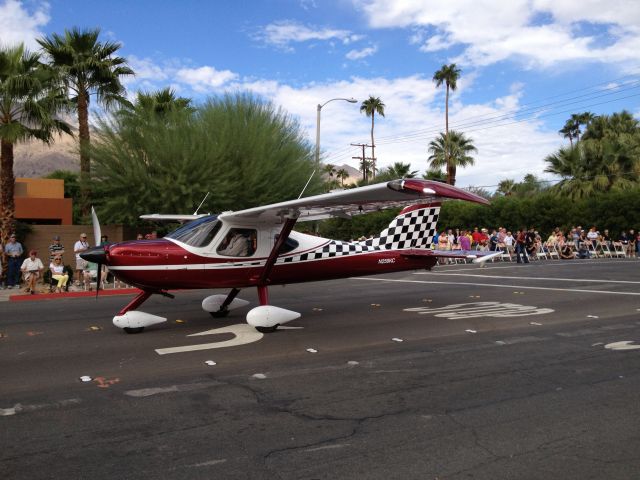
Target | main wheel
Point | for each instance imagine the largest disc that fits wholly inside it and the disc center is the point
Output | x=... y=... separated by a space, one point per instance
x=133 y=329
x=220 y=313
x=267 y=329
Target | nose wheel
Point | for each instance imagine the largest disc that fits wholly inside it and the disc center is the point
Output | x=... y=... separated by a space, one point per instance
x=267 y=329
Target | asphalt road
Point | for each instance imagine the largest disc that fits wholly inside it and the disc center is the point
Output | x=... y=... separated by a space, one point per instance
x=498 y=372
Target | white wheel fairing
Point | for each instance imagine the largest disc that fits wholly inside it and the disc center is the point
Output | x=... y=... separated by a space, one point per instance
x=269 y=316
x=136 y=319
x=213 y=303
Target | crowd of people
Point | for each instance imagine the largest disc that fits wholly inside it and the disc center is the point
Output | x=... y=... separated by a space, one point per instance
x=576 y=243
x=31 y=270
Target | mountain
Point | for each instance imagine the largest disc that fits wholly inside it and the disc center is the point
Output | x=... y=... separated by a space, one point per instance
x=37 y=159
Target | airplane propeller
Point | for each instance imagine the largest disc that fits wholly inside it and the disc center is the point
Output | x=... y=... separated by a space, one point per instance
x=97 y=234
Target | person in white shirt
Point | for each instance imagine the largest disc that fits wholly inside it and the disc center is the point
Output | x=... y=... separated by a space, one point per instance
x=80 y=246
x=32 y=269
x=508 y=242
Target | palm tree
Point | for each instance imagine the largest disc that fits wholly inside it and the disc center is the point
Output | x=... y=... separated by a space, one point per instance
x=88 y=67
x=329 y=170
x=29 y=101
x=435 y=174
x=342 y=175
x=401 y=170
x=451 y=150
x=506 y=186
x=448 y=75
x=370 y=107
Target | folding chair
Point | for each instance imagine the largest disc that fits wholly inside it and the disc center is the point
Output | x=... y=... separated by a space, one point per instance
x=619 y=249
x=507 y=255
x=552 y=251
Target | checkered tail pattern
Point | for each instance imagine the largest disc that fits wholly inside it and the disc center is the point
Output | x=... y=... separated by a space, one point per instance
x=414 y=227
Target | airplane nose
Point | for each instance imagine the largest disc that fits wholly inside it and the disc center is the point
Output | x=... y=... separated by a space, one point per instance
x=95 y=255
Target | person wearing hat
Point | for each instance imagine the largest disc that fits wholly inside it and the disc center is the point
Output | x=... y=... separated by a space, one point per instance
x=80 y=246
x=56 y=249
x=13 y=250
x=32 y=268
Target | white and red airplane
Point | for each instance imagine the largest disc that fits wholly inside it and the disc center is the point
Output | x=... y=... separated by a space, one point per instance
x=257 y=247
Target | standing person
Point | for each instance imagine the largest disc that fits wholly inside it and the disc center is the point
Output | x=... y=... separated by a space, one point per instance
x=80 y=246
x=464 y=241
x=631 y=249
x=32 y=268
x=56 y=249
x=1 y=252
x=13 y=250
x=521 y=246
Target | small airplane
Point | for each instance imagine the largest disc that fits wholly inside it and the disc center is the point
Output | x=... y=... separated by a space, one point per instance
x=258 y=247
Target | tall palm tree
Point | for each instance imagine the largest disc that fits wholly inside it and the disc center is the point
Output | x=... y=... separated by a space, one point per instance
x=448 y=75
x=88 y=67
x=451 y=151
x=506 y=186
x=401 y=170
x=370 y=107
x=29 y=101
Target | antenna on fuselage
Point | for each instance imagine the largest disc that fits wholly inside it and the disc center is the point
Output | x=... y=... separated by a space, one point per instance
x=205 y=197
x=306 y=184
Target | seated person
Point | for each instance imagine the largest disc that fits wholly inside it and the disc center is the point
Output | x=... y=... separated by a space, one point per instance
x=234 y=245
x=32 y=269
x=566 y=252
x=57 y=273
x=90 y=273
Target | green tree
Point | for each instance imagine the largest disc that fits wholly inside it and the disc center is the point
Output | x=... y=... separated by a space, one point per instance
x=397 y=170
x=240 y=148
x=435 y=174
x=342 y=175
x=449 y=75
x=87 y=67
x=606 y=158
x=370 y=107
x=29 y=102
x=506 y=187
x=451 y=150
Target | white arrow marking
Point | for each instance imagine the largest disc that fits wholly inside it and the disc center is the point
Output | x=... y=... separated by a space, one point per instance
x=626 y=345
x=244 y=334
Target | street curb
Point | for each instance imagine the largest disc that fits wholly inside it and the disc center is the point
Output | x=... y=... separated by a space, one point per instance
x=55 y=296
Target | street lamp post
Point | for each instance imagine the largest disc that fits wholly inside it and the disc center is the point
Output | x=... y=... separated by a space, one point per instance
x=350 y=100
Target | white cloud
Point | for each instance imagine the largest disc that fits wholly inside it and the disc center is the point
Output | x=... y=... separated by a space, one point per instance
x=205 y=79
x=283 y=33
x=360 y=54
x=17 y=24
x=542 y=33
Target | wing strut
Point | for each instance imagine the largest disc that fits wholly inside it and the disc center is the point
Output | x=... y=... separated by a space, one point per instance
x=273 y=256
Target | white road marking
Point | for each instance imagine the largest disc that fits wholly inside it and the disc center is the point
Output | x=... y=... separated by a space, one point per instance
x=496 y=285
x=187 y=387
x=19 y=408
x=209 y=463
x=243 y=334
x=501 y=277
x=480 y=309
x=327 y=447
x=625 y=345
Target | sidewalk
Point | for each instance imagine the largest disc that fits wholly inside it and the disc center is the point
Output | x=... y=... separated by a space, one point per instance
x=19 y=295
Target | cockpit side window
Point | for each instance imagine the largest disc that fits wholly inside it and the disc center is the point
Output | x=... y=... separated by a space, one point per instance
x=198 y=233
x=288 y=245
x=239 y=242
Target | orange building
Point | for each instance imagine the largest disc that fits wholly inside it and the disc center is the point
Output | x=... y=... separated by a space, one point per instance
x=41 y=201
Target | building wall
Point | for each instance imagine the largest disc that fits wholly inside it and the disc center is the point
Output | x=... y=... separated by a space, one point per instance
x=41 y=200
x=42 y=236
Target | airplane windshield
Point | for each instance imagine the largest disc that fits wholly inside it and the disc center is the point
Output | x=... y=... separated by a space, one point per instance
x=198 y=233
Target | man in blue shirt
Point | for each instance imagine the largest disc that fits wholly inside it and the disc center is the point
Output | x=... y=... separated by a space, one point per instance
x=13 y=250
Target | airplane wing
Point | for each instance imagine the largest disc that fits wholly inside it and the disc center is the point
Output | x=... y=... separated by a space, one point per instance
x=160 y=217
x=356 y=201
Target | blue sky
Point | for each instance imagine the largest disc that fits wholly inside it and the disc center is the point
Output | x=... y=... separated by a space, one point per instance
x=526 y=65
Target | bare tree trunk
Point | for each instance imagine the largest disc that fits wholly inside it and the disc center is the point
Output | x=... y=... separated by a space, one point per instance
x=447 y=156
x=373 y=149
x=85 y=159
x=7 y=203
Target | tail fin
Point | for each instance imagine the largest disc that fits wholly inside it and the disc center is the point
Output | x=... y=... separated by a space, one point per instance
x=414 y=227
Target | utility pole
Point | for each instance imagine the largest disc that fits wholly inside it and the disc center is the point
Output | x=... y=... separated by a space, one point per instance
x=363 y=159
